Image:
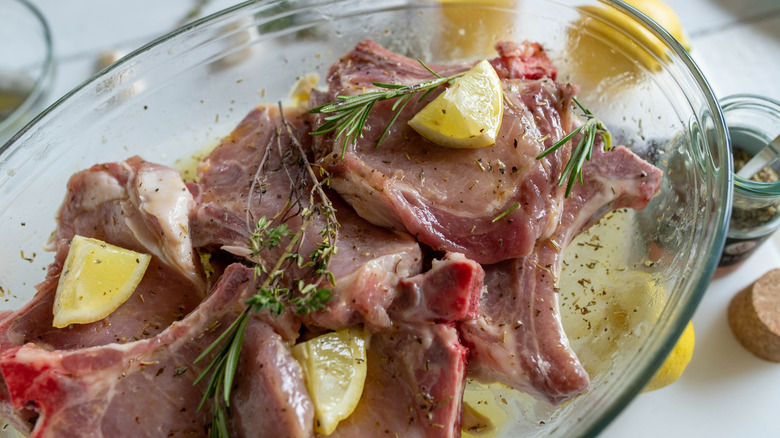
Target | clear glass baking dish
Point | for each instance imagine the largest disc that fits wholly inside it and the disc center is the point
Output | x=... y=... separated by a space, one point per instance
x=174 y=98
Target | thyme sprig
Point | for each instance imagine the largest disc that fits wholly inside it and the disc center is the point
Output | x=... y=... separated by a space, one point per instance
x=584 y=149
x=349 y=113
x=278 y=291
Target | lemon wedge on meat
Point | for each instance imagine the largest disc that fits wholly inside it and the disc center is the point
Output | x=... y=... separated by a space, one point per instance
x=334 y=367
x=675 y=363
x=96 y=279
x=467 y=114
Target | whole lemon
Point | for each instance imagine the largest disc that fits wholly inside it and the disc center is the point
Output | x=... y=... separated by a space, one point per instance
x=608 y=47
x=469 y=29
x=664 y=15
x=676 y=362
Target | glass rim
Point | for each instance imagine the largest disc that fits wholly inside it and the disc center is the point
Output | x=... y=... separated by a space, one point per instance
x=43 y=80
x=680 y=318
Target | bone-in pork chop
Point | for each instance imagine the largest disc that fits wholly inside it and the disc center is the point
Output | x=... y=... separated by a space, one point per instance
x=370 y=260
x=448 y=198
x=518 y=338
x=417 y=367
x=132 y=204
x=145 y=388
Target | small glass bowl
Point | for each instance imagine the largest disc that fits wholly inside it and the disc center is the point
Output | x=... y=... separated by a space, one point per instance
x=26 y=65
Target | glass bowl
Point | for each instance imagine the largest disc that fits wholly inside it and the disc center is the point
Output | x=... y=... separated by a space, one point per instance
x=174 y=98
x=26 y=65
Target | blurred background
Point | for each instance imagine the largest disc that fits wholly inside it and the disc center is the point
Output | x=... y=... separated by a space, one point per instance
x=736 y=43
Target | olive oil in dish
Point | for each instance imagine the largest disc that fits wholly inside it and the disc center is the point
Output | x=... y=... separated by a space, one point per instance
x=10 y=100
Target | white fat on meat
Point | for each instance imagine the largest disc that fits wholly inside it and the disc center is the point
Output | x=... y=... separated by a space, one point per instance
x=160 y=193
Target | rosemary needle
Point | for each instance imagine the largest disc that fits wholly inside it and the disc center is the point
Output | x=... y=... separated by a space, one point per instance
x=506 y=212
x=348 y=114
x=583 y=150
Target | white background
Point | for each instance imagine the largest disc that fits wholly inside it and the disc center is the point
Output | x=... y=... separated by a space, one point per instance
x=725 y=392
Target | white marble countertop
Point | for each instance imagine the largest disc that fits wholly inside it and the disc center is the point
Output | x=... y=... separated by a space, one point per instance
x=725 y=391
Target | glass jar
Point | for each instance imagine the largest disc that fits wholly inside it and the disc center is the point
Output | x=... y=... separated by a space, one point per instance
x=753 y=123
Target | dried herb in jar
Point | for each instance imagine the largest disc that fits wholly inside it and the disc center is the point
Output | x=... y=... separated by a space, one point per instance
x=742 y=218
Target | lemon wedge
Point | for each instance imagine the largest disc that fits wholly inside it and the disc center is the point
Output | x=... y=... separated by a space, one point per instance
x=467 y=114
x=96 y=279
x=676 y=362
x=302 y=90
x=334 y=367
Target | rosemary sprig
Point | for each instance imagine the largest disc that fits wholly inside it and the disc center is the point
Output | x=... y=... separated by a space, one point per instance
x=584 y=149
x=224 y=366
x=349 y=113
x=277 y=292
x=348 y=116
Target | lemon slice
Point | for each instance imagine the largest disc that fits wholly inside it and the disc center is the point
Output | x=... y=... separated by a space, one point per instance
x=96 y=279
x=467 y=114
x=334 y=366
x=675 y=363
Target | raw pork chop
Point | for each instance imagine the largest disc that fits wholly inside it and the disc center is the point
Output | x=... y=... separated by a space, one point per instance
x=370 y=260
x=136 y=205
x=445 y=197
x=417 y=368
x=414 y=385
x=518 y=338
x=161 y=297
x=145 y=388
x=450 y=199
x=142 y=205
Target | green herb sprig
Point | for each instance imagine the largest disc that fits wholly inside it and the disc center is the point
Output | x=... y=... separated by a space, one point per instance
x=349 y=113
x=277 y=292
x=506 y=212
x=584 y=149
x=223 y=371
x=348 y=116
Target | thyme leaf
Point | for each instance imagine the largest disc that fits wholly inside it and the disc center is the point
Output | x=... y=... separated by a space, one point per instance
x=277 y=292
